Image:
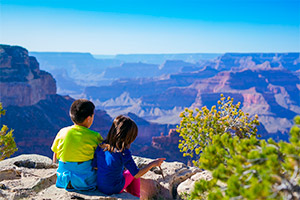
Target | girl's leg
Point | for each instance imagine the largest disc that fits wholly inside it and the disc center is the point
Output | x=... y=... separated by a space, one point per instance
x=132 y=185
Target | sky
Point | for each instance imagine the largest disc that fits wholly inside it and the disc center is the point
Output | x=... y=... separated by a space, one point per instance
x=151 y=26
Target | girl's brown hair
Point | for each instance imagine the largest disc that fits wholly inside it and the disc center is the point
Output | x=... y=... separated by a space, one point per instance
x=122 y=133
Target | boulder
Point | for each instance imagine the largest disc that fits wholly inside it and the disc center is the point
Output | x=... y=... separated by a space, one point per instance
x=163 y=182
x=188 y=185
x=29 y=161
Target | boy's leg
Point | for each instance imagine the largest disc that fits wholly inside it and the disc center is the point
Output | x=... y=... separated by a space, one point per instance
x=76 y=176
x=132 y=185
x=63 y=176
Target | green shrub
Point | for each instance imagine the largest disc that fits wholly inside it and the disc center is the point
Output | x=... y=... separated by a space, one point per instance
x=7 y=142
x=242 y=166
x=198 y=127
x=250 y=168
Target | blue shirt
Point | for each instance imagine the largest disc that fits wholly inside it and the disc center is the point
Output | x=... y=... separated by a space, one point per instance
x=110 y=166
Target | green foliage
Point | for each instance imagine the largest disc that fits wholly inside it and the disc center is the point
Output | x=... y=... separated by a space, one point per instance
x=242 y=166
x=197 y=128
x=250 y=168
x=7 y=142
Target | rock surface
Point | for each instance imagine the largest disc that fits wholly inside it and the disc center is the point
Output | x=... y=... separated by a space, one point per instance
x=33 y=176
x=188 y=185
x=22 y=83
x=165 y=181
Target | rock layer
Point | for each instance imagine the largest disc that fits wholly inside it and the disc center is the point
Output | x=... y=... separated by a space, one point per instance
x=22 y=83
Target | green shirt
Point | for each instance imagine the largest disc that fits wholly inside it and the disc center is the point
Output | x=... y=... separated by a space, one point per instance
x=76 y=144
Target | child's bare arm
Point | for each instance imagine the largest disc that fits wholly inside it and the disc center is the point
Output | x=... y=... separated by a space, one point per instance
x=54 y=160
x=145 y=169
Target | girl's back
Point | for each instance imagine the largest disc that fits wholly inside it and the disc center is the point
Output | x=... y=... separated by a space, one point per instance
x=110 y=166
x=113 y=155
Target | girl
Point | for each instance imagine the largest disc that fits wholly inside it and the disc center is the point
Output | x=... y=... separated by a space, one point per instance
x=113 y=155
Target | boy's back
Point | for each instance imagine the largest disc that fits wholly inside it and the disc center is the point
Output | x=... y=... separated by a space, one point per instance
x=76 y=144
x=74 y=147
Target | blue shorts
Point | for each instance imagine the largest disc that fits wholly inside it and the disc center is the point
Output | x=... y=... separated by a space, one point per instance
x=80 y=174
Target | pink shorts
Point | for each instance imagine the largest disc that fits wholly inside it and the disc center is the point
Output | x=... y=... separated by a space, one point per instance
x=132 y=185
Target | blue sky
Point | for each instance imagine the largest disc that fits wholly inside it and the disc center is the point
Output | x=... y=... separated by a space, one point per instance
x=165 y=26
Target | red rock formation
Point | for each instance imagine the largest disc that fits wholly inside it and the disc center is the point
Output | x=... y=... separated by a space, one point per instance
x=164 y=142
x=21 y=81
x=164 y=146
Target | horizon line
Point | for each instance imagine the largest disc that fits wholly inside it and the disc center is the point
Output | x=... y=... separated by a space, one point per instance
x=231 y=52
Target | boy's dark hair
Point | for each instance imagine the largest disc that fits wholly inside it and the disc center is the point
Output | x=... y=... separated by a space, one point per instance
x=80 y=110
x=123 y=132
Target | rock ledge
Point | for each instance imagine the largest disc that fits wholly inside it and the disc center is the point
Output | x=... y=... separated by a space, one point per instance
x=33 y=177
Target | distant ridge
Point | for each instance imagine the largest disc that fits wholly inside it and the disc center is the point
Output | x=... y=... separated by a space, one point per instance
x=160 y=58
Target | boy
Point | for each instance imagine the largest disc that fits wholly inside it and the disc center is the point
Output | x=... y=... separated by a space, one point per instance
x=74 y=147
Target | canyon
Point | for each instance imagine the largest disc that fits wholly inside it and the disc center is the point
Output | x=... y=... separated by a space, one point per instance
x=265 y=88
x=151 y=89
x=38 y=113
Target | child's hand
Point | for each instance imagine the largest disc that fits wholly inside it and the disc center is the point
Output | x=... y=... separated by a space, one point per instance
x=157 y=162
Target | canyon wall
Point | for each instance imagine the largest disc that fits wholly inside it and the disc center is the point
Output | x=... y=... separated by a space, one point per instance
x=22 y=83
